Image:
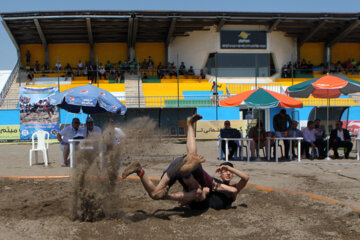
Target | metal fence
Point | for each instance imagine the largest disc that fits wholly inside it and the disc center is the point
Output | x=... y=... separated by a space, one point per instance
x=236 y=88
x=9 y=103
x=195 y=101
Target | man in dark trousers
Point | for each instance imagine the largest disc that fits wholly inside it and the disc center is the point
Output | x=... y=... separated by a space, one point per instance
x=340 y=137
x=281 y=123
x=229 y=132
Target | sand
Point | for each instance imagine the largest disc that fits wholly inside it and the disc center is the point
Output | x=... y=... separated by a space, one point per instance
x=41 y=209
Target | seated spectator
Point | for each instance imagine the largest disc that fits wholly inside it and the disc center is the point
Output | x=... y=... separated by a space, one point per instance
x=340 y=137
x=92 y=73
x=133 y=67
x=58 y=66
x=86 y=71
x=108 y=66
x=348 y=66
x=37 y=66
x=310 y=141
x=191 y=71
x=182 y=69
x=310 y=65
x=338 y=67
x=63 y=137
x=320 y=132
x=150 y=63
x=249 y=115
x=90 y=128
x=259 y=140
x=30 y=78
x=172 y=70
x=102 y=72
x=45 y=67
x=80 y=68
x=202 y=75
x=160 y=71
x=229 y=132
x=145 y=76
x=120 y=65
x=353 y=63
x=69 y=71
x=293 y=131
x=28 y=57
x=285 y=72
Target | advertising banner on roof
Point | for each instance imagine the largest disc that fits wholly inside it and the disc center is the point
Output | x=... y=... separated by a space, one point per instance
x=243 y=40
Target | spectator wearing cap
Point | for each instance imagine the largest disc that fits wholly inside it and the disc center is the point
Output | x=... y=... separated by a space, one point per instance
x=90 y=129
x=63 y=137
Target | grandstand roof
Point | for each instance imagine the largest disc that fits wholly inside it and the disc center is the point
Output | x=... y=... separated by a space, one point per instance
x=162 y=26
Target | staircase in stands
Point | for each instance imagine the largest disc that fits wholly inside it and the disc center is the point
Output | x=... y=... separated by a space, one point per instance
x=12 y=96
x=134 y=92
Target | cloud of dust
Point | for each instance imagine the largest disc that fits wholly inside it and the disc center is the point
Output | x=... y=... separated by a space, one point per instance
x=97 y=166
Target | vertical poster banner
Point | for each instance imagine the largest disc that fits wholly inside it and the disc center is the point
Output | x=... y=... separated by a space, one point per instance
x=36 y=112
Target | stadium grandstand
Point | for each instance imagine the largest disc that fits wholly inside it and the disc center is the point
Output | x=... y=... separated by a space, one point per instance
x=168 y=64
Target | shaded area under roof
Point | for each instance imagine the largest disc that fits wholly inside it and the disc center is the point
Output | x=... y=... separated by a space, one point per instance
x=162 y=26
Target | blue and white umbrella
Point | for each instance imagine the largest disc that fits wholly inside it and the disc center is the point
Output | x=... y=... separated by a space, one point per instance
x=89 y=99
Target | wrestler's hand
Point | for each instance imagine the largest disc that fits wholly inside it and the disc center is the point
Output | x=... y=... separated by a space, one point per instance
x=222 y=168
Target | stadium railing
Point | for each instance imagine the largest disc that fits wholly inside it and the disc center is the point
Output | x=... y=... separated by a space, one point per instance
x=10 y=80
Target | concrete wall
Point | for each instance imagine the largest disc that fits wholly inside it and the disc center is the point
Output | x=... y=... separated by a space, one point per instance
x=194 y=50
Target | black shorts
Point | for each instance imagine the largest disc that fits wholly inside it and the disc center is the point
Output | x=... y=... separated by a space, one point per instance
x=173 y=170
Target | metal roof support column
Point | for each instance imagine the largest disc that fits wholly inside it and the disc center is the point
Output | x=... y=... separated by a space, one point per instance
x=220 y=24
x=91 y=40
x=133 y=38
x=327 y=57
x=43 y=40
x=169 y=37
x=129 y=42
x=273 y=26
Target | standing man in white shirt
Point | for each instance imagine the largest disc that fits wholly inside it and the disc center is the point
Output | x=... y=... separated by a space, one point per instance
x=63 y=137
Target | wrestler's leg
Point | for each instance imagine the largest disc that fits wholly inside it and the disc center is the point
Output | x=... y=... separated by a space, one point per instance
x=192 y=159
x=191 y=140
x=155 y=192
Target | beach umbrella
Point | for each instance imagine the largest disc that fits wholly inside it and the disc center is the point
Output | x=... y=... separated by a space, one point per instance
x=89 y=99
x=327 y=86
x=260 y=98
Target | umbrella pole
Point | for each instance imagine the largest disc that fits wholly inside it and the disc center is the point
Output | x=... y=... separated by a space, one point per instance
x=327 y=129
x=259 y=131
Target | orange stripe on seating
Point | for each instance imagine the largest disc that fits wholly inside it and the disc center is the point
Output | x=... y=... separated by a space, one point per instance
x=258 y=187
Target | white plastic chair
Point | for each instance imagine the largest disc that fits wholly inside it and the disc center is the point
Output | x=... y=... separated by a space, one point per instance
x=42 y=145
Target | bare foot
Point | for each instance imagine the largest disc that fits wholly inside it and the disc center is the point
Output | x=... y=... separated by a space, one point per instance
x=193 y=119
x=191 y=163
x=135 y=167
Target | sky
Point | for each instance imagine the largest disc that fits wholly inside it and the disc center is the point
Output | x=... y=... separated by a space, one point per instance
x=8 y=55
